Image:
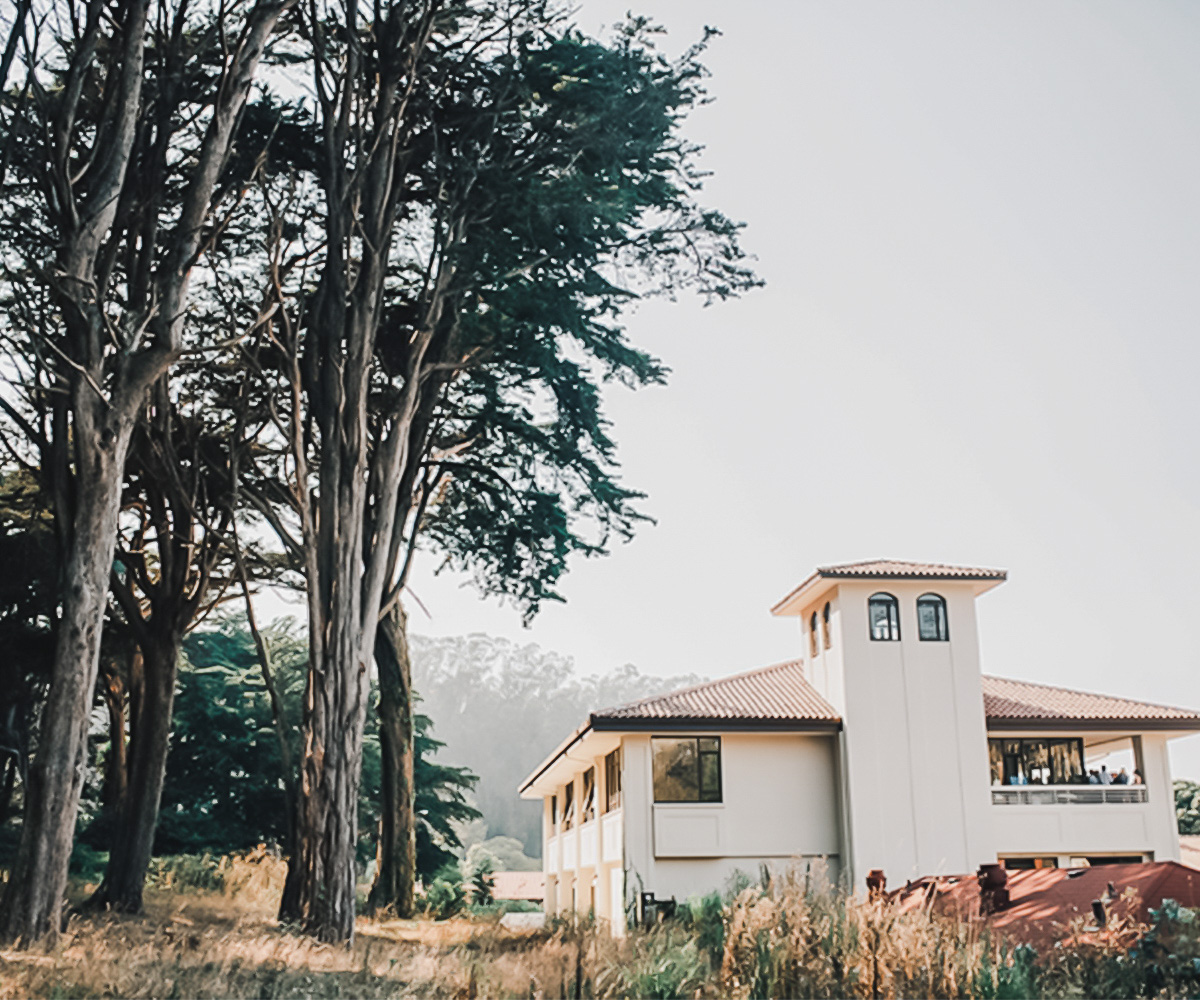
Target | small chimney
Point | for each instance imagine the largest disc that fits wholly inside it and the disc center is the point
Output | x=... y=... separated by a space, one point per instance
x=876 y=883
x=1100 y=913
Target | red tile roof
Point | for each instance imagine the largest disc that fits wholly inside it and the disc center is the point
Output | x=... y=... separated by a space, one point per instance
x=770 y=694
x=1019 y=701
x=899 y=569
x=781 y=695
x=893 y=569
x=1045 y=902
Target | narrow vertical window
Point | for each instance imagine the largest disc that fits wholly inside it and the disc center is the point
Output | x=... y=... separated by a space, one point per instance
x=825 y=625
x=612 y=781
x=553 y=811
x=568 y=819
x=812 y=635
x=588 y=806
x=883 y=612
x=931 y=618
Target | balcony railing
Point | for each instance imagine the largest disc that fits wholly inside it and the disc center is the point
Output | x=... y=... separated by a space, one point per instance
x=1066 y=795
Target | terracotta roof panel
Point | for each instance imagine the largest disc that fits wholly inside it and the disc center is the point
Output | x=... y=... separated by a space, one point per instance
x=778 y=693
x=902 y=569
x=1010 y=700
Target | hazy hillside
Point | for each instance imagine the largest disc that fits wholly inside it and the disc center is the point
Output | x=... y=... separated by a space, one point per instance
x=500 y=708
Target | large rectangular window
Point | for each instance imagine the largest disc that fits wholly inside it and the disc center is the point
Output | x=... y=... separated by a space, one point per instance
x=1051 y=761
x=612 y=781
x=687 y=768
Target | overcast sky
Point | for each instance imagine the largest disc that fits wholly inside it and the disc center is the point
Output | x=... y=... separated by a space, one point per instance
x=980 y=229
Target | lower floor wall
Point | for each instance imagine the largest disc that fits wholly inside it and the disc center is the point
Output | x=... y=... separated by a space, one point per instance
x=600 y=891
x=682 y=878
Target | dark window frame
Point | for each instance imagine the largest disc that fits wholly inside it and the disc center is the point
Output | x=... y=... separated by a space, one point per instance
x=553 y=811
x=568 y=815
x=587 y=811
x=893 y=617
x=701 y=752
x=612 y=777
x=1012 y=757
x=813 y=644
x=941 y=622
x=825 y=634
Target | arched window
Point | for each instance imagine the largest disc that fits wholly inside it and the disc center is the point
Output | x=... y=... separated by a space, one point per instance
x=883 y=611
x=931 y=618
x=825 y=625
x=812 y=635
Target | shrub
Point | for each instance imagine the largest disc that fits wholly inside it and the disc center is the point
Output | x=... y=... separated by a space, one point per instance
x=445 y=895
x=186 y=871
x=705 y=916
x=661 y=964
x=482 y=882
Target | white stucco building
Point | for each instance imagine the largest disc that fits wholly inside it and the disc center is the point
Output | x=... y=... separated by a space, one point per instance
x=883 y=747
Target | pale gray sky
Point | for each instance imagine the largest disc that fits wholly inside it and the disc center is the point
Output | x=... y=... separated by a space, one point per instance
x=980 y=228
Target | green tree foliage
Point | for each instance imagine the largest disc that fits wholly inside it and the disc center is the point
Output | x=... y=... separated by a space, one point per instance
x=1187 y=806
x=29 y=555
x=484 y=690
x=223 y=788
x=482 y=883
x=223 y=791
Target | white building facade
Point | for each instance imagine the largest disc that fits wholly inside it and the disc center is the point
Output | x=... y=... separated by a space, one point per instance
x=883 y=748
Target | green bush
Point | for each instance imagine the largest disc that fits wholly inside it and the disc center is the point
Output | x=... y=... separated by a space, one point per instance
x=446 y=895
x=187 y=871
x=498 y=907
x=704 y=917
x=660 y=964
x=87 y=863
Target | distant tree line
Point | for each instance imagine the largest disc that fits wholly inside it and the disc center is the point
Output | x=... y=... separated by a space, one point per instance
x=287 y=290
x=501 y=707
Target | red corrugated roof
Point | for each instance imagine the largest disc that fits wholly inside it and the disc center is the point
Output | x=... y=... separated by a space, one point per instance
x=1046 y=902
x=777 y=693
x=895 y=569
x=780 y=693
x=902 y=569
x=1017 y=700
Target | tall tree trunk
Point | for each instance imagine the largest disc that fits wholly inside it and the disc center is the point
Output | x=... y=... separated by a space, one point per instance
x=116 y=774
x=150 y=739
x=6 y=788
x=32 y=906
x=397 y=853
x=337 y=696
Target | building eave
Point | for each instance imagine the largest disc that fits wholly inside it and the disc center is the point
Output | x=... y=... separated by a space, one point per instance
x=824 y=579
x=677 y=724
x=1008 y=724
x=561 y=750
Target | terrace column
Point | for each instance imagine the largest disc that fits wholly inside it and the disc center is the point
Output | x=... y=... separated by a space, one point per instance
x=603 y=882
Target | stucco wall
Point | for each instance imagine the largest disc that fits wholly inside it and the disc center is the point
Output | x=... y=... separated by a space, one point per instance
x=1104 y=828
x=780 y=801
x=915 y=744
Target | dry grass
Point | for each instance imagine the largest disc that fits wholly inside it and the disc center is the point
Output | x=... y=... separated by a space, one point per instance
x=786 y=938
x=196 y=945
